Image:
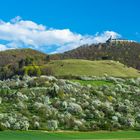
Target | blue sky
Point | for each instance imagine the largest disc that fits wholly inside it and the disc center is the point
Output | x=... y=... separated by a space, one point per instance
x=84 y=19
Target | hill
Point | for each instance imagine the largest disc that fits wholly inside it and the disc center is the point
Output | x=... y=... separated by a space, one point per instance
x=79 y=67
x=32 y=62
x=14 y=56
x=13 y=61
x=126 y=52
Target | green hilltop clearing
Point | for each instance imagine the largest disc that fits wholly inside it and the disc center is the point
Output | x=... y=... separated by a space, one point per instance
x=79 y=67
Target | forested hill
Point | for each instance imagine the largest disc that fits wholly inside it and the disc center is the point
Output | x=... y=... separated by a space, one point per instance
x=125 y=52
x=13 y=61
x=10 y=57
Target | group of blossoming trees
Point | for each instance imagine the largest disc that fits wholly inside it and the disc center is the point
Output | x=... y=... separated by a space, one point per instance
x=47 y=103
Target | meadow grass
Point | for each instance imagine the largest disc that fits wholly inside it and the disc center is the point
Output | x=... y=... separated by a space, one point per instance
x=79 y=67
x=93 y=82
x=38 y=135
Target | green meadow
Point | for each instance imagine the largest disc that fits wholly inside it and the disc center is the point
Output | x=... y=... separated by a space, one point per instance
x=93 y=82
x=79 y=67
x=38 y=135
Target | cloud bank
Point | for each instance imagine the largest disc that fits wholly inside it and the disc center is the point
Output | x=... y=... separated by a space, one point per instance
x=18 y=33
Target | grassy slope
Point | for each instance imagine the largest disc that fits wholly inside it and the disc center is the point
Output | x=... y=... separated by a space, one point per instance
x=22 y=135
x=92 y=68
x=93 y=82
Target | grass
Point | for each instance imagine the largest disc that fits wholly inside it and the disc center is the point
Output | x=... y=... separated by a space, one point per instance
x=78 y=67
x=38 y=135
x=93 y=82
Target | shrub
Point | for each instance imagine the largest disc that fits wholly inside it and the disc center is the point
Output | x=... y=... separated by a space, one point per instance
x=17 y=126
x=115 y=118
x=36 y=125
x=2 y=127
x=32 y=70
x=47 y=71
x=52 y=125
x=74 y=108
x=25 y=125
x=0 y=100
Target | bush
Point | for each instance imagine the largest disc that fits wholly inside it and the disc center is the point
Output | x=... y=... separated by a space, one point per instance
x=74 y=108
x=32 y=70
x=52 y=125
x=2 y=127
x=47 y=71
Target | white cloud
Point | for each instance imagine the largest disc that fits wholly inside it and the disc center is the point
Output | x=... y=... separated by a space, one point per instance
x=22 y=33
x=3 y=47
x=97 y=38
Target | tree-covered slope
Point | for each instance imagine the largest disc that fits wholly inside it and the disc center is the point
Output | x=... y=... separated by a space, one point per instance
x=12 y=62
x=125 y=52
x=14 y=56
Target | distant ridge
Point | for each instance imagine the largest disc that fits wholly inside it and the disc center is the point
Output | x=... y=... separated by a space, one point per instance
x=126 y=52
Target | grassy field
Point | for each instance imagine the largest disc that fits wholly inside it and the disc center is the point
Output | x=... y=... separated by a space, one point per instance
x=91 y=68
x=93 y=82
x=37 y=135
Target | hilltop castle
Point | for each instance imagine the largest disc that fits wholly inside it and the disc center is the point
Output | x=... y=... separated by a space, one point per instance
x=110 y=40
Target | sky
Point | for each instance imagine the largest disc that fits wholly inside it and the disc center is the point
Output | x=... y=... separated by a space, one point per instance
x=55 y=26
